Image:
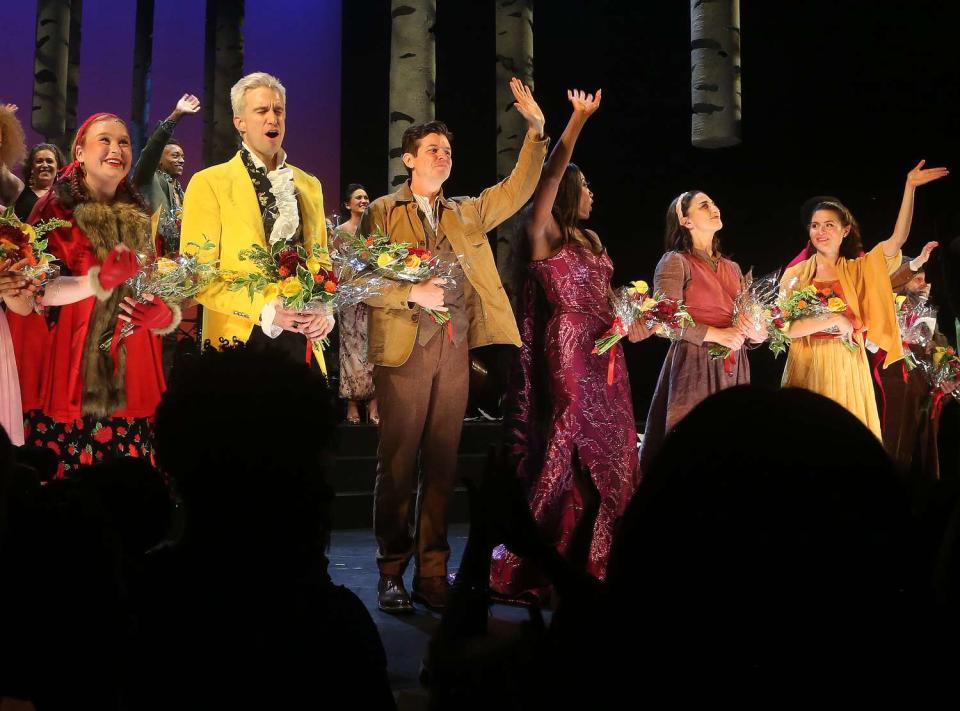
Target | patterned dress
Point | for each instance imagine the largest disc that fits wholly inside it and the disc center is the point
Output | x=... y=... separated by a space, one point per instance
x=560 y=402
x=356 y=374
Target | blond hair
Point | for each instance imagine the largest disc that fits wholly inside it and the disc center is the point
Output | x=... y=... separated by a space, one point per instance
x=254 y=81
x=14 y=148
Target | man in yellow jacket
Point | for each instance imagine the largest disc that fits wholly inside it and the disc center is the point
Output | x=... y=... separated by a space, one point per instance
x=421 y=368
x=255 y=198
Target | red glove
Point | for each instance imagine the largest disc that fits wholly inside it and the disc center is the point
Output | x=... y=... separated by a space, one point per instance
x=119 y=266
x=153 y=314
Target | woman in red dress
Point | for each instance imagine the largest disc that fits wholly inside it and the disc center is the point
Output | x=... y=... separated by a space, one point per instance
x=561 y=405
x=86 y=402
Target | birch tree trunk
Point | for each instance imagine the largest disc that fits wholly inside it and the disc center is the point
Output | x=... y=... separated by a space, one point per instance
x=223 y=67
x=142 y=61
x=73 y=75
x=413 y=75
x=50 y=69
x=514 y=27
x=715 y=73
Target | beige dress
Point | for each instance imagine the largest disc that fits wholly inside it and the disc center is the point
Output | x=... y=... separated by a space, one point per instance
x=356 y=374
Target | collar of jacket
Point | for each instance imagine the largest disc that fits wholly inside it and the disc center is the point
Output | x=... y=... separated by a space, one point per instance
x=405 y=194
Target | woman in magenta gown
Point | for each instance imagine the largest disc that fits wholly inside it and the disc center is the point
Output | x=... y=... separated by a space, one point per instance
x=559 y=402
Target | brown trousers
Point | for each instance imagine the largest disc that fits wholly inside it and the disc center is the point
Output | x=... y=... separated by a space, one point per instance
x=422 y=404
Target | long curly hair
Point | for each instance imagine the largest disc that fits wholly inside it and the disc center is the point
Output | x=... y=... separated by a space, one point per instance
x=677 y=237
x=852 y=245
x=14 y=148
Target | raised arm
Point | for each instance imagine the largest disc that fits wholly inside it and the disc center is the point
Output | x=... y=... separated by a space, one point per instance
x=901 y=230
x=583 y=107
x=152 y=152
x=499 y=202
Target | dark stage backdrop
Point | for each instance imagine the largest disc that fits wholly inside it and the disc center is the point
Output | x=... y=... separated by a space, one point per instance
x=839 y=97
x=296 y=40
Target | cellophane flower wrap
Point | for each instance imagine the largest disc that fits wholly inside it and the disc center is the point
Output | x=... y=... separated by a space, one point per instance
x=810 y=301
x=756 y=301
x=288 y=272
x=174 y=279
x=664 y=316
x=917 y=319
x=402 y=261
x=20 y=241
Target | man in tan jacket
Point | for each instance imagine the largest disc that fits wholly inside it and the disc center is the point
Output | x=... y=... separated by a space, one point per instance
x=421 y=372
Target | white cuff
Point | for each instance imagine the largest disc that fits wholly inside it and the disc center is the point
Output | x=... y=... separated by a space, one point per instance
x=267 y=314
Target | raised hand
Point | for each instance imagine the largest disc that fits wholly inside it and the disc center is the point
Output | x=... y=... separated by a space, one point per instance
x=120 y=265
x=584 y=103
x=921 y=176
x=188 y=105
x=924 y=255
x=527 y=106
x=12 y=108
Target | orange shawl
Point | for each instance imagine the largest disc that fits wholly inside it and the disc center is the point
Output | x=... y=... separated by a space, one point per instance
x=866 y=286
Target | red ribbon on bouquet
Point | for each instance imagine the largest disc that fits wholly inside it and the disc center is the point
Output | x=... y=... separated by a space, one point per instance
x=937 y=406
x=730 y=362
x=611 y=364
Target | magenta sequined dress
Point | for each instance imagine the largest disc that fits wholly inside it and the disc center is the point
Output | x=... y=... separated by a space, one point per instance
x=558 y=401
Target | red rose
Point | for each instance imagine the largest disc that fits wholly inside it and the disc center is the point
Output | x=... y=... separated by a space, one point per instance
x=103 y=435
x=284 y=272
x=317 y=278
x=779 y=323
x=289 y=260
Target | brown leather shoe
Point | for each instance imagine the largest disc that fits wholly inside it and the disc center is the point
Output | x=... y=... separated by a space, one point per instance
x=392 y=596
x=431 y=592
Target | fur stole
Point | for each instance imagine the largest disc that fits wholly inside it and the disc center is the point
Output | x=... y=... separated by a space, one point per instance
x=106 y=226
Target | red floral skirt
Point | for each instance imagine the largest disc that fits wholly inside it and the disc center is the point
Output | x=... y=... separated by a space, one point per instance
x=89 y=440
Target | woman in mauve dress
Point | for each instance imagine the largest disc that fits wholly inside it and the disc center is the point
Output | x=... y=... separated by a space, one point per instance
x=693 y=269
x=560 y=404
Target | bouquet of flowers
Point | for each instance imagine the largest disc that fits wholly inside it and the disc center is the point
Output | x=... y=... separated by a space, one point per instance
x=20 y=241
x=666 y=317
x=943 y=373
x=755 y=301
x=917 y=320
x=401 y=261
x=811 y=301
x=173 y=279
x=288 y=272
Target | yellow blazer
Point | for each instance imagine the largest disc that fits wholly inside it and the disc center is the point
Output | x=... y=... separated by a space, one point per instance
x=220 y=205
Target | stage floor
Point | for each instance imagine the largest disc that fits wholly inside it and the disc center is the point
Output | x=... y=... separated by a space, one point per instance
x=405 y=637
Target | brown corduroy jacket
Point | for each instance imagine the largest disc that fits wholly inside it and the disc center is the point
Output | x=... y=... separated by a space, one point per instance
x=464 y=222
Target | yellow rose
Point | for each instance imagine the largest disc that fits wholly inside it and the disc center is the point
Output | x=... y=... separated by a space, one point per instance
x=899 y=300
x=29 y=232
x=165 y=265
x=640 y=286
x=938 y=355
x=648 y=304
x=384 y=260
x=290 y=287
x=412 y=261
x=271 y=292
x=835 y=303
x=313 y=265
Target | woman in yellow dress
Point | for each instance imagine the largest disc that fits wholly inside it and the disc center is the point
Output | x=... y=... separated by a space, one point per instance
x=818 y=360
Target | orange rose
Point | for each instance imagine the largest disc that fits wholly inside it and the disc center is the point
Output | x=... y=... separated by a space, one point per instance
x=801 y=304
x=330 y=286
